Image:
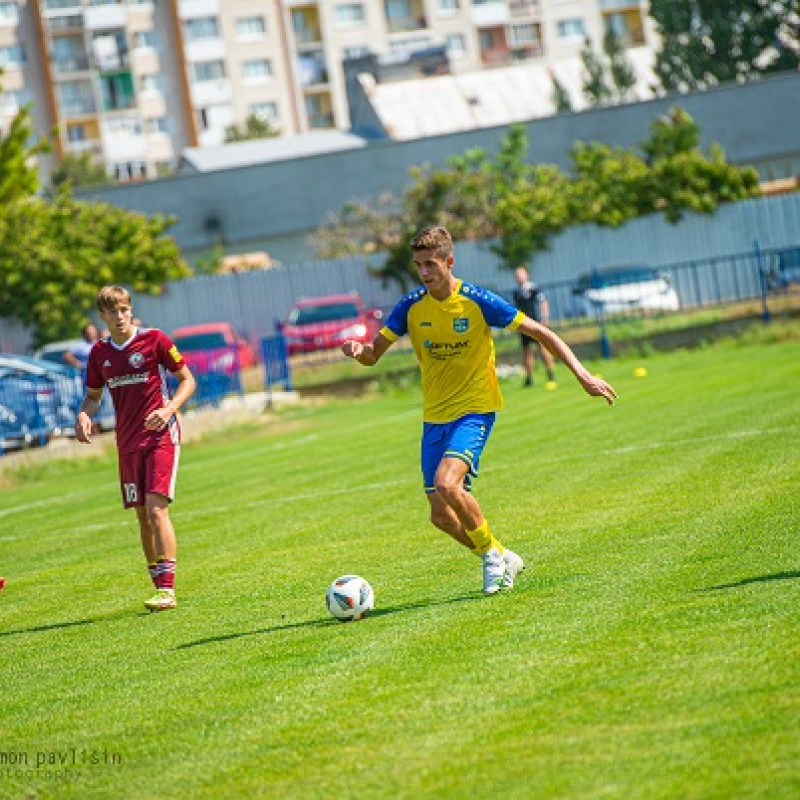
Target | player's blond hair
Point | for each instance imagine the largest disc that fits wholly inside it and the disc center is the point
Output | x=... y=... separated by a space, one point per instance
x=435 y=238
x=109 y=297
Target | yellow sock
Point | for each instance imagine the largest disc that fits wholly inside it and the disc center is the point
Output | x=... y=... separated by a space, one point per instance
x=483 y=540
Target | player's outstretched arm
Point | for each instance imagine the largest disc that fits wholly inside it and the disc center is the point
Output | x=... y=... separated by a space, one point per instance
x=592 y=385
x=367 y=354
x=89 y=407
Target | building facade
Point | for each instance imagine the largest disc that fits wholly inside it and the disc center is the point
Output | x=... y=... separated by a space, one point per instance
x=134 y=82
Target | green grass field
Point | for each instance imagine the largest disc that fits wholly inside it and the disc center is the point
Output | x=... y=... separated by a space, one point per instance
x=650 y=650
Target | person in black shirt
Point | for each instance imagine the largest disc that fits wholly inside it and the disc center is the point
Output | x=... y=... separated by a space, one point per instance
x=530 y=300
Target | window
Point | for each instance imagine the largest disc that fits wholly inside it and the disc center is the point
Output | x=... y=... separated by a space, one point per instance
x=350 y=15
x=75 y=97
x=9 y=13
x=208 y=71
x=131 y=170
x=251 y=27
x=201 y=28
x=13 y=56
x=447 y=6
x=456 y=44
x=409 y=45
x=145 y=39
x=158 y=125
x=76 y=133
x=267 y=111
x=355 y=52
x=12 y=102
x=123 y=127
x=257 y=70
x=571 y=30
x=522 y=35
x=153 y=83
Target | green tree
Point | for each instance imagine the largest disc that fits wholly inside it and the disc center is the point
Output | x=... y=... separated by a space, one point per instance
x=597 y=88
x=608 y=184
x=561 y=98
x=707 y=42
x=79 y=169
x=520 y=207
x=682 y=177
x=255 y=127
x=54 y=256
x=19 y=147
x=621 y=72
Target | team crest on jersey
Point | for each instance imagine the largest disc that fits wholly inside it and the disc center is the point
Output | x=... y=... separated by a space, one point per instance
x=461 y=324
x=136 y=360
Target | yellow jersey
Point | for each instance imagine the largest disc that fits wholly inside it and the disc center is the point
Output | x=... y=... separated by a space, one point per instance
x=452 y=340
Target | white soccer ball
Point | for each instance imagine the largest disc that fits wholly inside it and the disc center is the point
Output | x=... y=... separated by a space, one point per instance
x=349 y=597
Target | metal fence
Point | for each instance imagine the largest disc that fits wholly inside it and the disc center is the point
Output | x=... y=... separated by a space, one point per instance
x=38 y=405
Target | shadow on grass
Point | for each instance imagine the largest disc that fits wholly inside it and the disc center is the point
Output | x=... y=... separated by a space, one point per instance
x=56 y=625
x=775 y=576
x=326 y=623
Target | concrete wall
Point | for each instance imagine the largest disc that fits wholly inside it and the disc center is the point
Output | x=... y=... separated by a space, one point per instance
x=276 y=206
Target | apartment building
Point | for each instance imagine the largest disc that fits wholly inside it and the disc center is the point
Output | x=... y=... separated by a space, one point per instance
x=135 y=82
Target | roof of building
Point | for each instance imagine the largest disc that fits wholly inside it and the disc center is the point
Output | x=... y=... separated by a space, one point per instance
x=450 y=103
x=263 y=151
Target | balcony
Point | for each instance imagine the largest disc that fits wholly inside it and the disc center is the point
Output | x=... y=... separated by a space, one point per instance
x=105 y=17
x=60 y=5
x=524 y=8
x=490 y=14
x=205 y=50
x=312 y=69
x=72 y=22
x=119 y=145
x=496 y=57
x=211 y=93
x=189 y=9
x=77 y=107
x=94 y=148
x=321 y=121
x=619 y=5
x=75 y=63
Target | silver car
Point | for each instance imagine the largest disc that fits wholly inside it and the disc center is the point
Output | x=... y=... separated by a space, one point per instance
x=620 y=290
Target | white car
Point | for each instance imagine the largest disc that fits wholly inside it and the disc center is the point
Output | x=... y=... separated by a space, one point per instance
x=54 y=352
x=618 y=290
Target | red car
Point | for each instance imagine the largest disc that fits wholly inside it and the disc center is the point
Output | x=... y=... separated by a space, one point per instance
x=211 y=347
x=322 y=323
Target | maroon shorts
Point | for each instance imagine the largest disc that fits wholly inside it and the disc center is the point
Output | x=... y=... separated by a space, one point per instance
x=151 y=470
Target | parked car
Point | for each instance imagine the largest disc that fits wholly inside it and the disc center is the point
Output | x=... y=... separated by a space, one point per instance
x=616 y=290
x=211 y=347
x=54 y=352
x=68 y=383
x=322 y=323
x=785 y=272
x=32 y=397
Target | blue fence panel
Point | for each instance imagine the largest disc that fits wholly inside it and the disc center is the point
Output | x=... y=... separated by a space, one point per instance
x=275 y=355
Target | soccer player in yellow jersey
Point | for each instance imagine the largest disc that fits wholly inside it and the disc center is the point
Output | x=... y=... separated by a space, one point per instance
x=449 y=323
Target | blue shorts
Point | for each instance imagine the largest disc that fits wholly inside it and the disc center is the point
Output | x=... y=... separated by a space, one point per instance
x=464 y=438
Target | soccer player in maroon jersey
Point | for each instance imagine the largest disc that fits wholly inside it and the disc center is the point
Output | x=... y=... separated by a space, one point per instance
x=133 y=363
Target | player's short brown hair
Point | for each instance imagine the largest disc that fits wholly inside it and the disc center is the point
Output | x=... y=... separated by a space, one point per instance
x=435 y=238
x=110 y=297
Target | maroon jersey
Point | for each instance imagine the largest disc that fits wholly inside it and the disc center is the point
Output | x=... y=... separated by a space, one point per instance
x=136 y=375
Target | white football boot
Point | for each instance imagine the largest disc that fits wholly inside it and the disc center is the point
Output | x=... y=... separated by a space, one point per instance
x=494 y=568
x=513 y=566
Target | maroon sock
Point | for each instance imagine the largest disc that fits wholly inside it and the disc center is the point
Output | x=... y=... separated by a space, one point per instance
x=153 y=570
x=166 y=573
